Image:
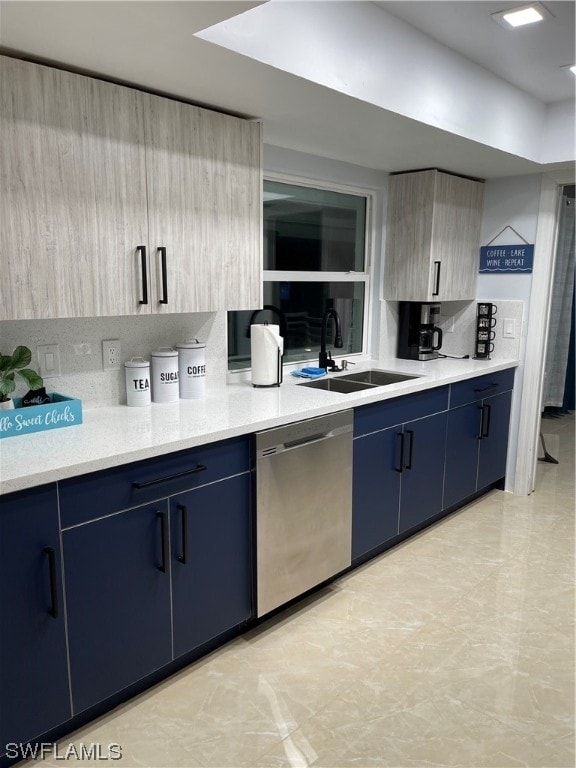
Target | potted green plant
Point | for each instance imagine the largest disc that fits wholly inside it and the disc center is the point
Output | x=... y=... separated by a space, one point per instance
x=13 y=364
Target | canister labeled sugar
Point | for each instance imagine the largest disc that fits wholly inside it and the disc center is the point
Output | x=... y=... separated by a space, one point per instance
x=165 y=386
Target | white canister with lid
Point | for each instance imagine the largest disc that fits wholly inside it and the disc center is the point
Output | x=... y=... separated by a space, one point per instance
x=165 y=387
x=137 y=381
x=192 y=369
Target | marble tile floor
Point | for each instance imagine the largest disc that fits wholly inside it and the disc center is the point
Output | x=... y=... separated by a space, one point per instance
x=454 y=649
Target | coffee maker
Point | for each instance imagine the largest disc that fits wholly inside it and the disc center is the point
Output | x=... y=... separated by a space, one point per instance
x=418 y=336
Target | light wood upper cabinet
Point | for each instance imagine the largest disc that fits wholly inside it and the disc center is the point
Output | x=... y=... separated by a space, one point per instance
x=433 y=237
x=73 y=190
x=205 y=208
x=90 y=171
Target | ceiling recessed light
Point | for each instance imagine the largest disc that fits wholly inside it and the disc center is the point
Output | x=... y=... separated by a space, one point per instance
x=569 y=68
x=521 y=15
x=524 y=16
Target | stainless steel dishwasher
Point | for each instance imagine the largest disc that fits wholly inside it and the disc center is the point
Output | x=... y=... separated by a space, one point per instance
x=303 y=506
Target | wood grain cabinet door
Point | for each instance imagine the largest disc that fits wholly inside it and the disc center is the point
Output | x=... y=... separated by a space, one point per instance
x=455 y=244
x=205 y=208
x=73 y=184
x=408 y=236
x=433 y=237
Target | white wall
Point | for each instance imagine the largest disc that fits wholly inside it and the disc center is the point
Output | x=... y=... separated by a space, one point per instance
x=559 y=137
x=510 y=202
x=359 y=49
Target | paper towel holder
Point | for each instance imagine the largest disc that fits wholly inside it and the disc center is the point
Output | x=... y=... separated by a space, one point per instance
x=281 y=316
x=283 y=332
x=267 y=355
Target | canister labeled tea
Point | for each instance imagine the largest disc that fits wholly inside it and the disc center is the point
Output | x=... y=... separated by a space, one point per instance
x=165 y=387
x=137 y=381
x=192 y=369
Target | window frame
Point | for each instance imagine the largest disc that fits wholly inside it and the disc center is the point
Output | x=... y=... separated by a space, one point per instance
x=365 y=277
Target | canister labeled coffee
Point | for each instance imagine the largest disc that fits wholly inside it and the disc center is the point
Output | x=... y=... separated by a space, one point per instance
x=137 y=381
x=192 y=369
x=165 y=386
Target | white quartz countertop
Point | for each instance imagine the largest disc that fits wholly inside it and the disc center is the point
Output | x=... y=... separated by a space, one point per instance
x=118 y=435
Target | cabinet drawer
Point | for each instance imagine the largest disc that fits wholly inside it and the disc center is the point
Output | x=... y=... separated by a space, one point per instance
x=480 y=387
x=101 y=493
x=377 y=416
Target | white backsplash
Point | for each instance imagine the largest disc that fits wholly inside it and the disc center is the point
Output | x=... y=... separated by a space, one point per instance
x=80 y=346
x=80 y=343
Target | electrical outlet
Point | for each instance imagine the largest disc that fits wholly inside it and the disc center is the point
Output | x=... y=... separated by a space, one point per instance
x=111 y=355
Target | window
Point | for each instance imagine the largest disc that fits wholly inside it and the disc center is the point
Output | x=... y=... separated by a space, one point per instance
x=314 y=259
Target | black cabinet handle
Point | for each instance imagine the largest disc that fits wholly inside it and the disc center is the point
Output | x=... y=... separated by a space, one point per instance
x=199 y=468
x=411 y=449
x=481 y=432
x=53 y=585
x=401 y=467
x=486 y=432
x=164 y=299
x=485 y=389
x=164 y=540
x=142 y=249
x=183 y=558
x=437 y=266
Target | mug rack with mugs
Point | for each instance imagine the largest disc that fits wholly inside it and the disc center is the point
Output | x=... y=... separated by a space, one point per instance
x=485 y=333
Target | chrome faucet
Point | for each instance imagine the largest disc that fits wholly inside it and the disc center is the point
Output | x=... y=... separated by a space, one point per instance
x=325 y=358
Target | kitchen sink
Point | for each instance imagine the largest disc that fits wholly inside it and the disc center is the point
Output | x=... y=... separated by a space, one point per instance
x=357 y=382
x=377 y=378
x=337 y=385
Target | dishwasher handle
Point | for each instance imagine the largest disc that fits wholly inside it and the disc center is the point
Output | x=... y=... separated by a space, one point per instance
x=301 y=442
x=318 y=438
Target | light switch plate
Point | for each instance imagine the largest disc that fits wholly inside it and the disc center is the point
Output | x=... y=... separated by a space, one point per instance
x=509 y=328
x=48 y=360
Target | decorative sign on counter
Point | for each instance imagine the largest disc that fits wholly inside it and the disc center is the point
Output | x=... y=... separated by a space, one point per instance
x=506 y=258
x=61 y=412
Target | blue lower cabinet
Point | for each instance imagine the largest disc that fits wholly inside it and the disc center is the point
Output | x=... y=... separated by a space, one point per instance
x=376 y=490
x=211 y=583
x=476 y=447
x=398 y=467
x=422 y=470
x=494 y=439
x=34 y=685
x=118 y=601
x=461 y=471
x=146 y=584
